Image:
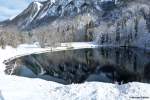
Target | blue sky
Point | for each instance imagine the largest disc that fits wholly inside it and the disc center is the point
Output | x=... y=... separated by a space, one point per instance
x=10 y=8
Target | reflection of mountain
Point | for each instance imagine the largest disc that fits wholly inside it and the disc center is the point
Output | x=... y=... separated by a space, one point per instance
x=104 y=64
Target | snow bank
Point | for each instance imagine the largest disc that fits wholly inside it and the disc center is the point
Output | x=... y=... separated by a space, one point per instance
x=20 y=88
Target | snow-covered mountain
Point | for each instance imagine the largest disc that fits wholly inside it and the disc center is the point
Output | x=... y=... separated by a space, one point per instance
x=113 y=22
x=48 y=10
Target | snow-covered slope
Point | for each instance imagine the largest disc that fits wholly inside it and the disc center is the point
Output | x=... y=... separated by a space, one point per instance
x=28 y=15
x=36 y=12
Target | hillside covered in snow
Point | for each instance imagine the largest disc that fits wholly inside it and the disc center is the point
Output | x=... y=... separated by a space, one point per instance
x=113 y=22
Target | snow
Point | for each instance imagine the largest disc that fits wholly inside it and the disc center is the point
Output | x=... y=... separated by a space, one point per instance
x=12 y=17
x=43 y=15
x=54 y=4
x=39 y=5
x=21 y=88
x=53 y=1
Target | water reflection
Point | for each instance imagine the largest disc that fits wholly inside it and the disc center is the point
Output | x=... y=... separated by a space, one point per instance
x=77 y=66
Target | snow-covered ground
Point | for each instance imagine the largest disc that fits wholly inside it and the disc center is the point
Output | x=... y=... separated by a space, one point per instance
x=21 y=88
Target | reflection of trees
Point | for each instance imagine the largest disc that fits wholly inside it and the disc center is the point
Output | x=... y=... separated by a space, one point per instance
x=147 y=71
x=76 y=66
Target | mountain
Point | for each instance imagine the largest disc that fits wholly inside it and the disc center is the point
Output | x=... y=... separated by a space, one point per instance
x=47 y=11
x=107 y=22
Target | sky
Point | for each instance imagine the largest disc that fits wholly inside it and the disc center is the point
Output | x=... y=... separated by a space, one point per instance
x=11 y=8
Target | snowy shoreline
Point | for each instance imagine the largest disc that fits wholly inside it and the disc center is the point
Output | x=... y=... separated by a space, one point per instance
x=21 y=88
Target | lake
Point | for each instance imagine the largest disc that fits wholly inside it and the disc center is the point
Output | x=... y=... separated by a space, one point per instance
x=77 y=66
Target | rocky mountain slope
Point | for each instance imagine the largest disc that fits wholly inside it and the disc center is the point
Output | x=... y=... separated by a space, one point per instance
x=113 y=22
x=49 y=10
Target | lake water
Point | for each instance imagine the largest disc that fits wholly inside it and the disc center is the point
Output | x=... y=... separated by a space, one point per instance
x=77 y=66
